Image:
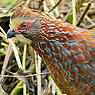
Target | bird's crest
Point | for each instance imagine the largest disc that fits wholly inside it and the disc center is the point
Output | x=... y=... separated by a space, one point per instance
x=24 y=12
x=22 y=15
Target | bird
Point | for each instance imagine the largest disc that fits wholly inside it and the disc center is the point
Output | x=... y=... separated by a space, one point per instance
x=68 y=51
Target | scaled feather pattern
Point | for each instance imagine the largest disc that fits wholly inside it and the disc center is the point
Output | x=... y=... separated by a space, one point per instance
x=68 y=51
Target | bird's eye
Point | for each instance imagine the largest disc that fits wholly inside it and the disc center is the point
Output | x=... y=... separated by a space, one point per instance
x=24 y=25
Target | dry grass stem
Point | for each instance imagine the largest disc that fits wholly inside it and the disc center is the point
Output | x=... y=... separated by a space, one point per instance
x=5 y=35
x=83 y=14
x=16 y=53
x=27 y=2
x=38 y=70
x=31 y=75
x=88 y=19
x=6 y=60
x=55 y=7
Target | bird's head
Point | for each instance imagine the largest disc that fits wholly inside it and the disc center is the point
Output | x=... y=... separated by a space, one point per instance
x=24 y=25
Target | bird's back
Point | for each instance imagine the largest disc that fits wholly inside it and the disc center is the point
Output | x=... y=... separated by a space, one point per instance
x=70 y=56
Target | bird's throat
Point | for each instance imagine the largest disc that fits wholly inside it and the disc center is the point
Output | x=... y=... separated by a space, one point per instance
x=23 y=39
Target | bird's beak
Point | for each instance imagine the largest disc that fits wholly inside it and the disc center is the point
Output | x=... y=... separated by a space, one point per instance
x=11 y=33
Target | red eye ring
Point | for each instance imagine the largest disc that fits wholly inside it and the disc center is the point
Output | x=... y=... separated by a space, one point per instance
x=24 y=25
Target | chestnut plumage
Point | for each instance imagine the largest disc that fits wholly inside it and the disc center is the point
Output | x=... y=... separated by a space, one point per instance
x=69 y=51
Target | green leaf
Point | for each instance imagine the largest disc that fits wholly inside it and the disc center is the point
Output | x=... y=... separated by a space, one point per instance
x=7 y=1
